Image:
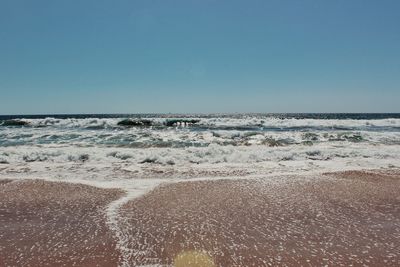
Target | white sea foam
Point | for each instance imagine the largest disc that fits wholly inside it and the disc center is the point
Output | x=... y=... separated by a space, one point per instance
x=104 y=163
x=263 y=121
x=98 y=152
x=222 y=131
x=133 y=190
x=293 y=122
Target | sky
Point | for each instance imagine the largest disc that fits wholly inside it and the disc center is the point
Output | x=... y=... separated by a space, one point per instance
x=203 y=56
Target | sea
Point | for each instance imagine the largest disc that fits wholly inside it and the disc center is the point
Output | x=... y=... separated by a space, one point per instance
x=122 y=147
x=138 y=152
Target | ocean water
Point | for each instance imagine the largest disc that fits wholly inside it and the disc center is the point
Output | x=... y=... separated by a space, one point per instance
x=178 y=146
x=138 y=152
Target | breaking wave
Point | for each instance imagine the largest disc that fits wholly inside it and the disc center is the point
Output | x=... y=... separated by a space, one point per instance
x=151 y=145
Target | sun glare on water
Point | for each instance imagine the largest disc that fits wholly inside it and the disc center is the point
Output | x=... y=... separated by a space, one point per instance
x=193 y=259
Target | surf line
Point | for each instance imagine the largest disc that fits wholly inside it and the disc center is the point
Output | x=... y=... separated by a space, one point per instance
x=135 y=189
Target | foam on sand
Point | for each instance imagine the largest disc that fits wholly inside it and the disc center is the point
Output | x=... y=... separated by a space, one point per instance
x=340 y=219
x=144 y=155
x=113 y=218
x=46 y=223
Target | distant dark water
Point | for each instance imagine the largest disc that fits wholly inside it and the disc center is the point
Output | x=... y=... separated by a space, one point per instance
x=324 y=116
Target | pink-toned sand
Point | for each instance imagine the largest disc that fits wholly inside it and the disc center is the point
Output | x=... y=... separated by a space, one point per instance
x=55 y=224
x=339 y=219
x=343 y=219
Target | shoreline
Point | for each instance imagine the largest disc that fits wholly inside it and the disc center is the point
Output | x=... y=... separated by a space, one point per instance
x=339 y=218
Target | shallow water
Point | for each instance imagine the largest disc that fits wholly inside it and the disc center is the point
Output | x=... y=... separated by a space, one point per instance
x=137 y=153
x=109 y=147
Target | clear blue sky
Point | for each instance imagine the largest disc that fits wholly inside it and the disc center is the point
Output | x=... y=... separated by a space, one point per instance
x=199 y=56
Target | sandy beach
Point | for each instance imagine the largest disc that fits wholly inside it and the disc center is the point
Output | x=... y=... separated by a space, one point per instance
x=342 y=219
x=199 y=133
x=336 y=219
x=55 y=224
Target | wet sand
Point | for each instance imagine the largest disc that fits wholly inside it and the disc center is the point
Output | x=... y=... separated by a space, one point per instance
x=342 y=219
x=55 y=224
x=337 y=219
